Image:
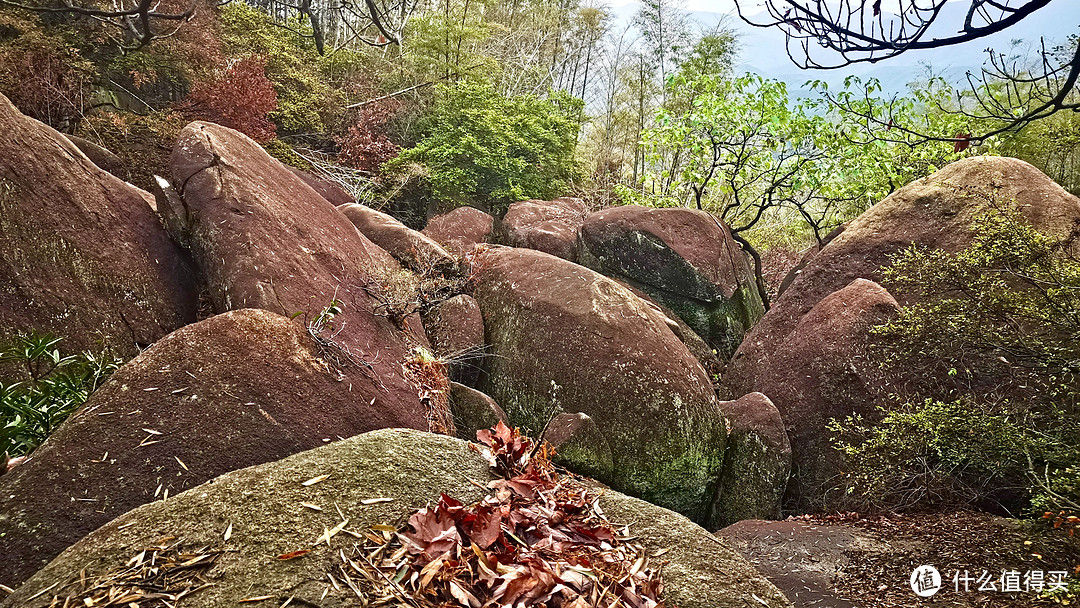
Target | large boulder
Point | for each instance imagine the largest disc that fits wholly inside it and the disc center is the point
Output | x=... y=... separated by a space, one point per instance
x=82 y=254
x=548 y=226
x=757 y=462
x=821 y=371
x=684 y=259
x=936 y=212
x=237 y=389
x=256 y=514
x=413 y=249
x=566 y=339
x=264 y=239
x=461 y=229
x=455 y=328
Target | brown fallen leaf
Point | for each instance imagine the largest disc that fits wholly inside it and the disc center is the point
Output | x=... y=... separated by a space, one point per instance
x=293 y=554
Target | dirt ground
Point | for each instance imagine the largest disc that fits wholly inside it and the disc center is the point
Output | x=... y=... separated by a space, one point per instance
x=847 y=561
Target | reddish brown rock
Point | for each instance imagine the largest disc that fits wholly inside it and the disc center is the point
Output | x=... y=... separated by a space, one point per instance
x=100 y=156
x=566 y=339
x=682 y=258
x=264 y=239
x=82 y=254
x=235 y=390
x=473 y=411
x=548 y=226
x=455 y=328
x=579 y=445
x=757 y=462
x=821 y=371
x=461 y=229
x=936 y=212
x=413 y=249
x=331 y=191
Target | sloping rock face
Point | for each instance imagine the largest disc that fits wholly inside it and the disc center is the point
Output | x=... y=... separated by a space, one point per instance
x=548 y=226
x=237 y=389
x=936 y=212
x=413 y=249
x=332 y=192
x=262 y=506
x=264 y=239
x=682 y=258
x=757 y=462
x=566 y=339
x=82 y=254
x=100 y=156
x=461 y=229
x=822 y=371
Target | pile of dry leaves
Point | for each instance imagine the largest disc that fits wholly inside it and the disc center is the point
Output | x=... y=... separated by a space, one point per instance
x=538 y=539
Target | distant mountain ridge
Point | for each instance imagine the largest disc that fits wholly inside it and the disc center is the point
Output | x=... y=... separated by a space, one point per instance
x=763 y=49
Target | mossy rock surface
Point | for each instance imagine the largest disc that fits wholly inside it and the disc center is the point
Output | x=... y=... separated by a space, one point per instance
x=262 y=504
x=684 y=259
x=563 y=338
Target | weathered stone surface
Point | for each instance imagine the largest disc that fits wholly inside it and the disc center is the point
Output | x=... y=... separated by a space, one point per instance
x=683 y=259
x=100 y=156
x=237 y=389
x=936 y=212
x=566 y=339
x=822 y=371
x=413 y=249
x=455 y=328
x=82 y=254
x=757 y=462
x=264 y=239
x=262 y=504
x=580 y=445
x=332 y=192
x=548 y=226
x=461 y=229
x=473 y=411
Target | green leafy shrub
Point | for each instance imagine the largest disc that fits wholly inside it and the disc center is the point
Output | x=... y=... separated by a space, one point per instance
x=479 y=147
x=985 y=369
x=306 y=103
x=52 y=385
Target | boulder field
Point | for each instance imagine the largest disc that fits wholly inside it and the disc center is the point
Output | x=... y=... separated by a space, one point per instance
x=253 y=298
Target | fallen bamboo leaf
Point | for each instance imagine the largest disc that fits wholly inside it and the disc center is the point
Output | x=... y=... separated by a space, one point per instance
x=311 y=506
x=228 y=532
x=315 y=480
x=181 y=463
x=258 y=598
x=293 y=554
x=372 y=501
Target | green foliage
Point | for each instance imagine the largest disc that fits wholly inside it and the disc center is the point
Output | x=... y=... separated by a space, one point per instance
x=985 y=366
x=307 y=103
x=53 y=386
x=479 y=147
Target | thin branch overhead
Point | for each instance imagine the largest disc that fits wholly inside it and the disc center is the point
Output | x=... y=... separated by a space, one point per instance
x=139 y=22
x=1006 y=95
